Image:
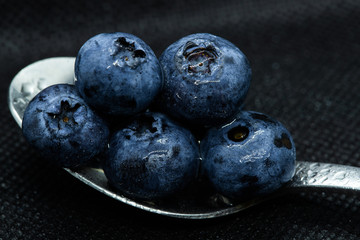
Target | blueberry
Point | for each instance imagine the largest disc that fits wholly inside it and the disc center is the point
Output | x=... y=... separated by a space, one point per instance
x=252 y=155
x=63 y=128
x=206 y=79
x=151 y=158
x=117 y=73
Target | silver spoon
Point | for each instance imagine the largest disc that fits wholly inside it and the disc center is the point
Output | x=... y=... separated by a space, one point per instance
x=198 y=202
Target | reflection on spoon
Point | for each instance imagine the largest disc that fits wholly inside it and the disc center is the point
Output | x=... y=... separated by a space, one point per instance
x=198 y=201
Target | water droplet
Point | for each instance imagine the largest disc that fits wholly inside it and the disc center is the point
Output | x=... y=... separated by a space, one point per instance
x=324 y=171
x=27 y=89
x=303 y=178
x=311 y=173
x=340 y=175
x=312 y=180
x=18 y=101
x=41 y=83
x=323 y=179
x=314 y=165
x=328 y=166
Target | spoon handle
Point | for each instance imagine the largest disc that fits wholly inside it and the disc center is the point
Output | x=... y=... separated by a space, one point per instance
x=326 y=175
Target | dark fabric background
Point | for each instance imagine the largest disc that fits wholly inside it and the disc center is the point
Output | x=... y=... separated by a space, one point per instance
x=305 y=60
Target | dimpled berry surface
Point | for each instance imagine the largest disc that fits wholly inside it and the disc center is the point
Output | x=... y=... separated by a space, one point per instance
x=151 y=158
x=63 y=128
x=117 y=73
x=252 y=155
x=206 y=79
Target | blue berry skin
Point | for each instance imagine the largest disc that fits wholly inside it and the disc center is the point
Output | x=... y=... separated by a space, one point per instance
x=206 y=79
x=153 y=157
x=62 y=127
x=117 y=73
x=252 y=155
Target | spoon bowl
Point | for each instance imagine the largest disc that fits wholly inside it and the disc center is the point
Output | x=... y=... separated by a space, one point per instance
x=198 y=201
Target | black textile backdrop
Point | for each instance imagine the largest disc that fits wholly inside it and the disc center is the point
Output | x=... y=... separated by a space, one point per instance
x=305 y=60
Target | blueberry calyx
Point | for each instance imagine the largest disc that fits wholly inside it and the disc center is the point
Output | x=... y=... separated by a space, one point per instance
x=122 y=44
x=144 y=125
x=199 y=57
x=65 y=115
x=238 y=134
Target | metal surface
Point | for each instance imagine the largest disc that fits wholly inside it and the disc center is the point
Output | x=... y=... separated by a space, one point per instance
x=35 y=77
x=325 y=175
x=198 y=201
